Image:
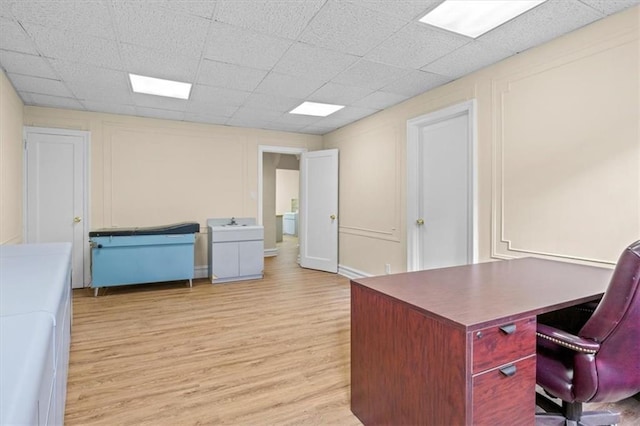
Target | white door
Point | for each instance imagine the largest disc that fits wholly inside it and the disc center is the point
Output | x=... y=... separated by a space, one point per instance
x=55 y=193
x=441 y=213
x=318 y=228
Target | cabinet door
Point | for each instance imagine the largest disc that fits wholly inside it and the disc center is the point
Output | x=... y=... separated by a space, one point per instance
x=224 y=262
x=251 y=255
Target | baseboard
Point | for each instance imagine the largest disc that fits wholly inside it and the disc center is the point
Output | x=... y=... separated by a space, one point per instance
x=270 y=252
x=351 y=273
x=201 y=272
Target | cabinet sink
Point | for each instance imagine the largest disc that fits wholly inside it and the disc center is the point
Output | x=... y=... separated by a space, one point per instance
x=236 y=250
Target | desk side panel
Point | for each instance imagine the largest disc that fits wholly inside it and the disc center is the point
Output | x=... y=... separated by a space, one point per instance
x=401 y=372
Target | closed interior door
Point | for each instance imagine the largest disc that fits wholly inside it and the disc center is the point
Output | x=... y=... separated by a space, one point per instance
x=444 y=222
x=55 y=193
x=318 y=231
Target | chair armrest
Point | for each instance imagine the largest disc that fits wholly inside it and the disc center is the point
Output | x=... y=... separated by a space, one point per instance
x=567 y=340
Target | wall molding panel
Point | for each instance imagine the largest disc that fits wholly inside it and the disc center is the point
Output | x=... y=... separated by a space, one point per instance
x=556 y=172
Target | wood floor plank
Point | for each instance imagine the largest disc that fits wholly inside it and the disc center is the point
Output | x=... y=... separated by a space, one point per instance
x=267 y=352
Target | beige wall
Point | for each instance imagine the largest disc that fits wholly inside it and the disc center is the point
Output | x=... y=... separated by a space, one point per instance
x=287 y=187
x=11 y=160
x=558 y=155
x=147 y=172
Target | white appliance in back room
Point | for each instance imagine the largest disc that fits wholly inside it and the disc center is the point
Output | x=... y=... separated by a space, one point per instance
x=290 y=223
x=236 y=249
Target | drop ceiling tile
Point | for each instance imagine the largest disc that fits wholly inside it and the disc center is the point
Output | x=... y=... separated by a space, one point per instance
x=608 y=7
x=13 y=37
x=314 y=62
x=334 y=93
x=201 y=8
x=219 y=74
x=380 y=100
x=73 y=47
x=55 y=102
x=352 y=113
x=159 y=102
x=317 y=130
x=404 y=9
x=26 y=98
x=415 y=83
x=218 y=95
x=346 y=27
x=147 y=24
x=84 y=17
x=282 y=18
x=541 y=24
x=333 y=123
x=160 y=64
x=239 y=46
x=415 y=46
x=43 y=86
x=274 y=102
x=201 y=118
x=370 y=75
x=254 y=123
x=247 y=113
x=5 y=8
x=470 y=57
x=209 y=109
x=159 y=113
x=109 y=108
x=283 y=127
x=297 y=120
x=94 y=83
x=22 y=63
x=289 y=86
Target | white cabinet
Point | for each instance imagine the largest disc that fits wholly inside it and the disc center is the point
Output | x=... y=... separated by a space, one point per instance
x=236 y=252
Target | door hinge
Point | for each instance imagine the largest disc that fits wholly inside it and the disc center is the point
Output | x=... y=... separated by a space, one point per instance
x=25 y=144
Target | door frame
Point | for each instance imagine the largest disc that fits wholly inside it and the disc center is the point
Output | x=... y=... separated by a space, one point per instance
x=262 y=149
x=86 y=219
x=414 y=137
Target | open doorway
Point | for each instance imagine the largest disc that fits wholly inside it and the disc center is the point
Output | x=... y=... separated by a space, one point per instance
x=279 y=169
x=287 y=200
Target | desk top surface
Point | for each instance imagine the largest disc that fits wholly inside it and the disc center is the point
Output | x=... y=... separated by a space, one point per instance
x=475 y=296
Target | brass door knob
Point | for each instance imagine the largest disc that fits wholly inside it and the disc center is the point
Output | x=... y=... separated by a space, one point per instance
x=333 y=217
x=420 y=222
x=77 y=219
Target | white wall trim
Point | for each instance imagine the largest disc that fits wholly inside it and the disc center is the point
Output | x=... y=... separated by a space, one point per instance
x=351 y=273
x=414 y=128
x=270 y=252
x=201 y=271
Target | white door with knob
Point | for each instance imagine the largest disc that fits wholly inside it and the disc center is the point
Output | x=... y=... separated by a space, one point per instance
x=441 y=188
x=55 y=193
x=318 y=228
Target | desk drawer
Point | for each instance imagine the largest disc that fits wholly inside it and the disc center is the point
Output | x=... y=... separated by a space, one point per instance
x=503 y=343
x=506 y=395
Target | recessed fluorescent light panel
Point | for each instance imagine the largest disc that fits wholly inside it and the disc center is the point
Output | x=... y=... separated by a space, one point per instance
x=473 y=18
x=314 y=108
x=160 y=87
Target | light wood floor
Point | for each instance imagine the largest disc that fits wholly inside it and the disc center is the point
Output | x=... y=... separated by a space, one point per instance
x=267 y=352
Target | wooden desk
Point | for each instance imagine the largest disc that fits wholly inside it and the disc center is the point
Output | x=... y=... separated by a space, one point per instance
x=427 y=348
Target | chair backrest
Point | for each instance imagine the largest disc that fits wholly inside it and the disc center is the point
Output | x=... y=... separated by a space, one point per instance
x=615 y=324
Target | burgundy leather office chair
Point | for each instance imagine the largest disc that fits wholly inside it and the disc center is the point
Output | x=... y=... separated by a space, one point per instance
x=602 y=362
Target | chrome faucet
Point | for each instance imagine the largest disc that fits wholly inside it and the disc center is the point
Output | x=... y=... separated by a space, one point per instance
x=233 y=221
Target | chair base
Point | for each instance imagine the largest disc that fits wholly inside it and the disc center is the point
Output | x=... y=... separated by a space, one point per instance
x=571 y=414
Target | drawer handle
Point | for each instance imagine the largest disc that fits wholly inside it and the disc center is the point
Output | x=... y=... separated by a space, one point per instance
x=508 y=329
x=509 y=370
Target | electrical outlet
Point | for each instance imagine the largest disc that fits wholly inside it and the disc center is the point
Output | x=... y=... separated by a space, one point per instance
x=387 y=268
